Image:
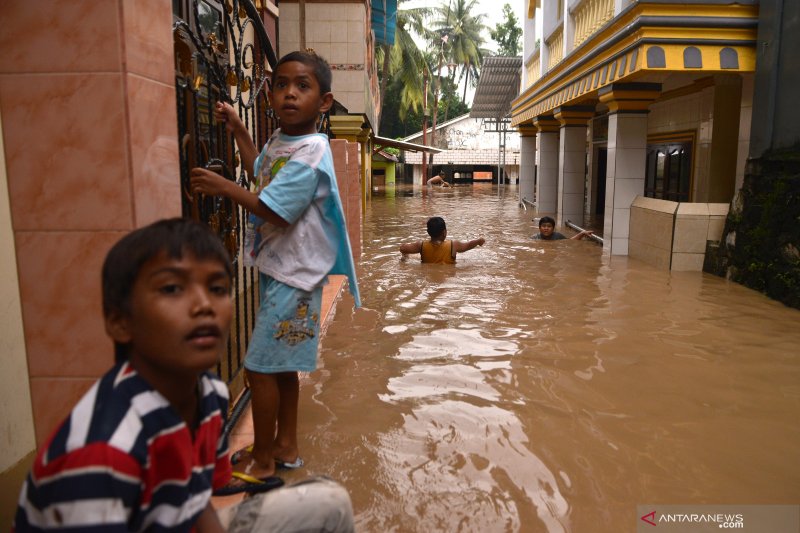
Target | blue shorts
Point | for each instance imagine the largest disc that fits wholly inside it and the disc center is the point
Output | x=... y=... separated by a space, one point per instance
x=286 y=334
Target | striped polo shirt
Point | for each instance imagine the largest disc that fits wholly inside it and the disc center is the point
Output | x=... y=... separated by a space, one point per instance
x=124 y=460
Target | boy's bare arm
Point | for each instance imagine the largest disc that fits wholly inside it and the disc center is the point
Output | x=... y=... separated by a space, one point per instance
x=210 y=183
x=411 y=248
x=224 y=112
x=581 y=235
x=469 y=245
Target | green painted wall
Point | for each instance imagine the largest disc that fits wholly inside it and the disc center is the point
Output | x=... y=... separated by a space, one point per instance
x=388 y=166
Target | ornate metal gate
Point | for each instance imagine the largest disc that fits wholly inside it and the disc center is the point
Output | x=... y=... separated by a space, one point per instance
x=222 y=53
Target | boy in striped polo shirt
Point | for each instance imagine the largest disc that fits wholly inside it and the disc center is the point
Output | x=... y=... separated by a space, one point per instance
x=143 y=449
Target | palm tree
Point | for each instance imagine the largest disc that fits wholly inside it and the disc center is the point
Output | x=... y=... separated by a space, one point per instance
x=404 y=62
x=464 y=37
x=455 y=38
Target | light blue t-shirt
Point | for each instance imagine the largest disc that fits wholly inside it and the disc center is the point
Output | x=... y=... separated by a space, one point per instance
x=299 y=184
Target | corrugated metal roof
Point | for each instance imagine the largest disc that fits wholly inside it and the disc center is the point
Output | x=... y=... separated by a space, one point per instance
x=497 y=87
x=384 y=20
x=403 y=145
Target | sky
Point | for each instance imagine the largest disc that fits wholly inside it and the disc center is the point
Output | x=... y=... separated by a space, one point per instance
x=493 y=9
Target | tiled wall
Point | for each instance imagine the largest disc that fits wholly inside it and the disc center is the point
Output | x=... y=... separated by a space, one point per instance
x=90 y=129
x=693 y=112
x=346 y=161
x=695 y=224
x=673 y=235
x=341 y=39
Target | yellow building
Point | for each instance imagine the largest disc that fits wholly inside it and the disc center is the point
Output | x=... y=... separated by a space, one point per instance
x=635 y=119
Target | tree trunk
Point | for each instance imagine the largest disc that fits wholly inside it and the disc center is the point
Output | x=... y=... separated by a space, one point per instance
x=424 y=124
x=436 y=84
x=466 y=82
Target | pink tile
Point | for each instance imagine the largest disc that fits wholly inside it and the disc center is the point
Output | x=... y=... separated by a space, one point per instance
x=154 y=150
x=74 y=36
x=66 y=151
x=149 y=47
x=52 y=400
x=339 y=151
x=59 y=278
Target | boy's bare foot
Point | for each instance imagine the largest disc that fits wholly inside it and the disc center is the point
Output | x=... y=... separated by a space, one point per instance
x=252 y=468
x=284 y=458
x=288 y=457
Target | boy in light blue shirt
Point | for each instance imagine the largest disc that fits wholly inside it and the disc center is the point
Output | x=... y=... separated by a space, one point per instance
x=300 y=237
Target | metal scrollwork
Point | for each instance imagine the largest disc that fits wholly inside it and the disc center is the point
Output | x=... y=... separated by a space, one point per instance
x=222 y=54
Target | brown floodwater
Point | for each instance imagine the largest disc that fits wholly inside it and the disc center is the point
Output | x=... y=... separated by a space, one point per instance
x=544 y=386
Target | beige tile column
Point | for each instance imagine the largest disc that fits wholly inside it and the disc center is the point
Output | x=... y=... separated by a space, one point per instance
x=627 y=153
x=547 y=169
x=88 y=104
x=527 y=162
x=572 y=162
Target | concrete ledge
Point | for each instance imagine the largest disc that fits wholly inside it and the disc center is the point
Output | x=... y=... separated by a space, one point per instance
x=652 y=204
x=674 y=235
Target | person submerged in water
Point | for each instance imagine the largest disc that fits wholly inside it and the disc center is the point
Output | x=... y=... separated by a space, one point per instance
x=438 y=249
x=547 y=231
x=438 y=180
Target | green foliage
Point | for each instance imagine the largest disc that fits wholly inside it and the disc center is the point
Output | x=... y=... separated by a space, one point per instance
x=393 y=125
x=766 y=254
x=391 y=150
x=453 y=36
x=464 y=40
x=404 y=64
x=508 y=34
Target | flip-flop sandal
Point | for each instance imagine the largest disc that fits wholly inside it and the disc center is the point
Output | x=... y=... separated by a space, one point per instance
x=251 y=485
x=237 y=455
x=298 y=463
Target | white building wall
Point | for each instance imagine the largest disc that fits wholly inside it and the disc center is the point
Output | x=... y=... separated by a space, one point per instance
x=529 y=37
x=468 y=143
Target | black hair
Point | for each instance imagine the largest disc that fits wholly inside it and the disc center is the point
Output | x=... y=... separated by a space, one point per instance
x=436 y=227
x=547 y=220
x=174 y=236
x=321 y=68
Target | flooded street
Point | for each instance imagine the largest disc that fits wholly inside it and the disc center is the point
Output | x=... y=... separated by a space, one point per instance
x=542 y=386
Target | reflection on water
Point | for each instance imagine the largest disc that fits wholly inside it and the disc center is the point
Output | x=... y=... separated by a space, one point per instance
x=543 y=386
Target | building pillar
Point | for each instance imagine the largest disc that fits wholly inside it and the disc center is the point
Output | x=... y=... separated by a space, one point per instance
x=628 y=106
x=348 y=127
x=572 y=162
x=547 y=168
x=366 y=164
x=527 y=163
x=724 y=138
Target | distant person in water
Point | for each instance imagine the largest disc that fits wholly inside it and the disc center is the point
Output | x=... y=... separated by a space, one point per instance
x=438 y=180
x=438 y=249
x=547 y=231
